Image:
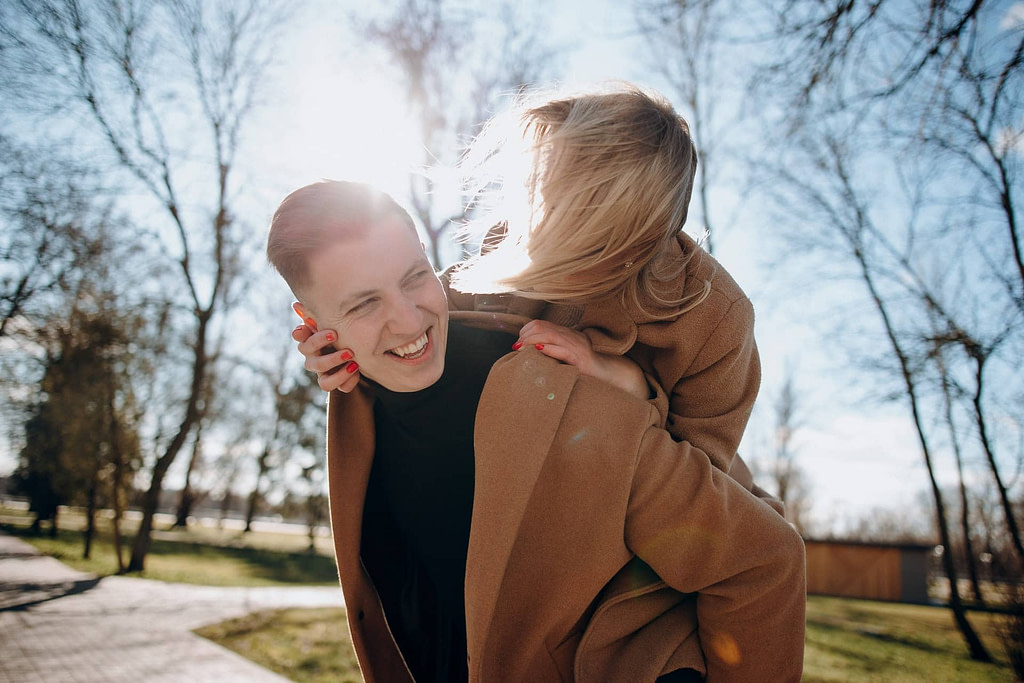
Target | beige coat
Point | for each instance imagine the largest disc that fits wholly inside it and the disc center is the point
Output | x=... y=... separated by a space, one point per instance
x=591 y=531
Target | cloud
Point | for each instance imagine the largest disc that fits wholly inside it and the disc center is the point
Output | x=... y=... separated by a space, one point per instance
x=1014 y=18
x=1010 y=140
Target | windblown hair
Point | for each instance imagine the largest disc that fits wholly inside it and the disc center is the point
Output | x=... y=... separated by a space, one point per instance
x=607 y=182
x=318 y=215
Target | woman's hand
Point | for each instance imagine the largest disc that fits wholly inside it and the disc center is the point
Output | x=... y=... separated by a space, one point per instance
x=574 y=348
x=334 y=369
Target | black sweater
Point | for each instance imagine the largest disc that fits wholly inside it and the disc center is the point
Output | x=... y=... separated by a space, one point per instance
x=419 y=503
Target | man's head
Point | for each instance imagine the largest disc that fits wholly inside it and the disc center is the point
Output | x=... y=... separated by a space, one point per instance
x=353 y=259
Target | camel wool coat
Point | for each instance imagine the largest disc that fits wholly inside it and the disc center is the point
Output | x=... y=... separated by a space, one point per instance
x=598 y=543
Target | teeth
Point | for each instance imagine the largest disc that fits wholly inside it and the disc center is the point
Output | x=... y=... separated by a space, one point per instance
x=411 y=349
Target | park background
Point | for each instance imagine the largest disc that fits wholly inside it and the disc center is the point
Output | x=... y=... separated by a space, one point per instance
x=859 y=177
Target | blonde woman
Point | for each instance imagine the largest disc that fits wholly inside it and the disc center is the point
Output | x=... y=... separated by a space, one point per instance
x=597 y=254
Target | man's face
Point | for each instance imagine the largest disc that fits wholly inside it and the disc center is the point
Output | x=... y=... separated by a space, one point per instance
x=378 y=291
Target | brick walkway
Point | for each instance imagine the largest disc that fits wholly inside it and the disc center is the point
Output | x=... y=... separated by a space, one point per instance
x=62 y=625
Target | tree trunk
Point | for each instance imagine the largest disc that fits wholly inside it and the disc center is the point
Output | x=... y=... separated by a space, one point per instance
x=90 y=516
x=974 y=645
x=965 y=510
x=188 y=497
x=1004 y=498
x=115 y=494
x=140 y=548
x=254 y=495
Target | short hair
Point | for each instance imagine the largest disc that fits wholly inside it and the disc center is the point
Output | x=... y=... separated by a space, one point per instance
x=320 y=214
x=608 y=185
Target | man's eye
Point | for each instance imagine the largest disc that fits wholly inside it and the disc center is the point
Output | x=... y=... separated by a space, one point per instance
x=417 y=277
x=362 y=306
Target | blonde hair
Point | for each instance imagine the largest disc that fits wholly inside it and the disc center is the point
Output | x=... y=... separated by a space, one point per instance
x=318 y=215
x=606 y=186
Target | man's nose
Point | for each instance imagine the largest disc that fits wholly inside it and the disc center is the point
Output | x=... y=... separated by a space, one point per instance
x=405 y=317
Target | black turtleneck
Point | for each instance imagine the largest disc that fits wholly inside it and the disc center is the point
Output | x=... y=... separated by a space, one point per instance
x=419 y=503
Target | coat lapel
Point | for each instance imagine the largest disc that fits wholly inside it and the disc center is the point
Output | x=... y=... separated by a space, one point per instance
x=509 y=459
x=350 y=448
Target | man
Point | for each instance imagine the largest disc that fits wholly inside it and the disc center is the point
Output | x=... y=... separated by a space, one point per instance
x=526 y=524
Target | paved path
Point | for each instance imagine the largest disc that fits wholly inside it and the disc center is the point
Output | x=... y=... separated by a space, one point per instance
x=57 y=624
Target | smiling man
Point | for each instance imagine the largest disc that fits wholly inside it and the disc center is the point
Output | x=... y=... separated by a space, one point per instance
x=501 y=517
x=373 y=284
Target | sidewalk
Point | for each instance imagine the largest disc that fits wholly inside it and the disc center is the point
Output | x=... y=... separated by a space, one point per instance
x=62 y=625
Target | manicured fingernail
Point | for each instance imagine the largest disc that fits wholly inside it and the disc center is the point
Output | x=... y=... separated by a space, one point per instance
x=330 y=336
x=518 y=345
x=310 y=322
x=539 y=347
x=351 y=367
x=347 y=355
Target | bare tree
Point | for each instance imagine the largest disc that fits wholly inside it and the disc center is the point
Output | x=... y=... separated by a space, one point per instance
x=903 y=121
x=456 y=63
x=284 y=431
x=834 y=46
x=948 y=401
x=47 y=213
x=168 y=88
x=691 y=46
x=788 y=477
x=829 y=199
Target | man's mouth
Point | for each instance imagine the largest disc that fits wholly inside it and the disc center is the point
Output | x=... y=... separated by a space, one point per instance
x=411 y=351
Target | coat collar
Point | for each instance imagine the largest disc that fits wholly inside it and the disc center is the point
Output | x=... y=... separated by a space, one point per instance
x=613 y=324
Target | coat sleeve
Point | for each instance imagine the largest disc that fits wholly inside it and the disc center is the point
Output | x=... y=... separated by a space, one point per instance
x=710 y=404
x=704 y=533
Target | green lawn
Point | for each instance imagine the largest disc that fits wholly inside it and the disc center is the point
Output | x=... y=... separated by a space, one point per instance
x=198 y=556
x=861 y=640
x=847 y=640
x=305 y=645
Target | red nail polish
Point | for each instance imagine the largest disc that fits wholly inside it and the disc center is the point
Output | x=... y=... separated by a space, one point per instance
x=310 y=322
x=330 y=336
x=539 y=347
x=347 y=355
x=518 y=345
x=351 y=367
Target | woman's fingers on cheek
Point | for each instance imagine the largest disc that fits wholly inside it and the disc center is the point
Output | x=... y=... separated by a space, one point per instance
x=332 y=363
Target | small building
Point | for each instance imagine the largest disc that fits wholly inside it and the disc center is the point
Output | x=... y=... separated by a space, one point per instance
x=873 y=571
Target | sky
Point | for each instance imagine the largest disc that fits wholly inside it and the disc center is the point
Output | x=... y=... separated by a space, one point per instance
x=857 y=458
x=334 y=116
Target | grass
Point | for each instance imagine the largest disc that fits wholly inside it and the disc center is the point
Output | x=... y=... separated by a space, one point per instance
x=210 y=557
x=847 y=640
x=304 y=645
x=861 y=640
